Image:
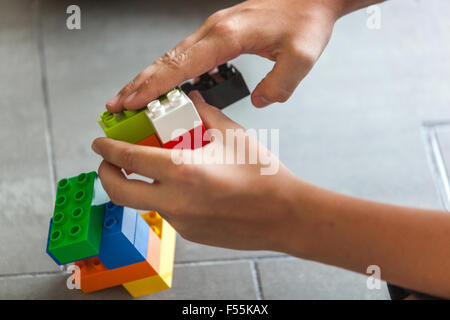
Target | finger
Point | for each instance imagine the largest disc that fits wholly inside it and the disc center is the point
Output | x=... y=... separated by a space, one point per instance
x=281 y=81
x=128 y=192
x=212 y=117
x=148 y=161
x=116 y=103
x=214 y=49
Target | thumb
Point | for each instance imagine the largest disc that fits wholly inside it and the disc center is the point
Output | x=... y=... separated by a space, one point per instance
x=279 y=84
x=212 y=117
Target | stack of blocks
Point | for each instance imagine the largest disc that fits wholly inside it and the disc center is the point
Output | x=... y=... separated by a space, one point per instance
x=171 y=121
x=114 y=245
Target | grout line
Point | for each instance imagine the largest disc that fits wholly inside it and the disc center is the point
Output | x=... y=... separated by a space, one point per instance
x=436 y=162
x=231 y=260
x=31 y=275
x=177 y=265
x=256 y=276
x=44 y=84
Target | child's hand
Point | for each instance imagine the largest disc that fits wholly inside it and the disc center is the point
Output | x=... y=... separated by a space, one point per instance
x=229 y=205
x=293 y=33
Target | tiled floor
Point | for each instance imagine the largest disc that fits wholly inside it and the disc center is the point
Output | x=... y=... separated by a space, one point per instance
x=356 y=121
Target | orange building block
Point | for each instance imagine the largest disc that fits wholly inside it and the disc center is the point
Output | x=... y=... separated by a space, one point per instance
x=150 y=141
x=95 y=276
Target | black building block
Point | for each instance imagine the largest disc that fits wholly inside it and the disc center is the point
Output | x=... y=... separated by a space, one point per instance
x=220 y=88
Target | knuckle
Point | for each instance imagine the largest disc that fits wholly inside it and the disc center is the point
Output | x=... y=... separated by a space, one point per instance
x=129 y=158
x=130 y=87
x=226 y=28
x=174 y=59
x=302 y=54
x=216 y=16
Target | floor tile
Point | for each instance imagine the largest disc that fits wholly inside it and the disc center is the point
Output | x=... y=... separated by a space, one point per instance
x=25 y=184
x=301 y=279
x=187 y=251
x=218 y=281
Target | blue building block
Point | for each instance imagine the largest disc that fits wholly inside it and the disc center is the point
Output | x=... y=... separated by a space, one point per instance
x=124 y=237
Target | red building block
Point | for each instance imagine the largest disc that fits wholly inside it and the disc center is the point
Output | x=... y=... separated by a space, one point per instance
x=192 y=139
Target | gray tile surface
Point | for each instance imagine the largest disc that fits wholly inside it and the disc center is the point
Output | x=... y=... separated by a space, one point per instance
x=187 y=251
x=352 y=126
x=300 y=279
x=225 y=281
x=25 y=190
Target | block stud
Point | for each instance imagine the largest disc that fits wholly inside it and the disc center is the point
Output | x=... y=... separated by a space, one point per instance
x=75 y=231
x=56 y=236
x=80 y=196
x=82 y=179
x=78 y=213
x=61 y=201
x=175 y=97
x=63 y=184
x=110 y=222
x=59 y=218
x=109 y=119
x=156 y=109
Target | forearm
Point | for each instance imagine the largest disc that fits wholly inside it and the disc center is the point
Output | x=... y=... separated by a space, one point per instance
x=411 y=246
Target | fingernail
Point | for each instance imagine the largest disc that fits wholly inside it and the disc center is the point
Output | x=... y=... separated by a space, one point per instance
x=113 y=101
x=95 y=147
x=130 y=98
x=260 y=101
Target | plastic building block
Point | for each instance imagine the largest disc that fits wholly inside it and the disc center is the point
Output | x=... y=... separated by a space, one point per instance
x=220 y=88
x=151 y=141
x=95 y=276
x=129 y=125
x=76 y=229
x=163 y=280
x=193 y=139
x=154 y=220
x=173 y=115
x=124 y=237
x=100 y=196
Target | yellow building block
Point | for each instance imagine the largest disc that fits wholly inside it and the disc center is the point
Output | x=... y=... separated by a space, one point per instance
x=163 y=280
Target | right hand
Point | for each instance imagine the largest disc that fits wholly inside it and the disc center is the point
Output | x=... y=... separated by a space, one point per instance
x=293 y=33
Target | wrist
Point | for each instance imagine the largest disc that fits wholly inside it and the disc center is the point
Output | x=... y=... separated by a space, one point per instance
x=343 y=7
x=298 y=201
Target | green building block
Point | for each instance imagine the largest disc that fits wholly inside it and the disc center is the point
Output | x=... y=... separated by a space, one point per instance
x=129 y=125
x=77 y=226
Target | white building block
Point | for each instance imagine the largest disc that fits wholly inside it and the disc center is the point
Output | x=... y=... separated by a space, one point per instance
x=174 y=113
